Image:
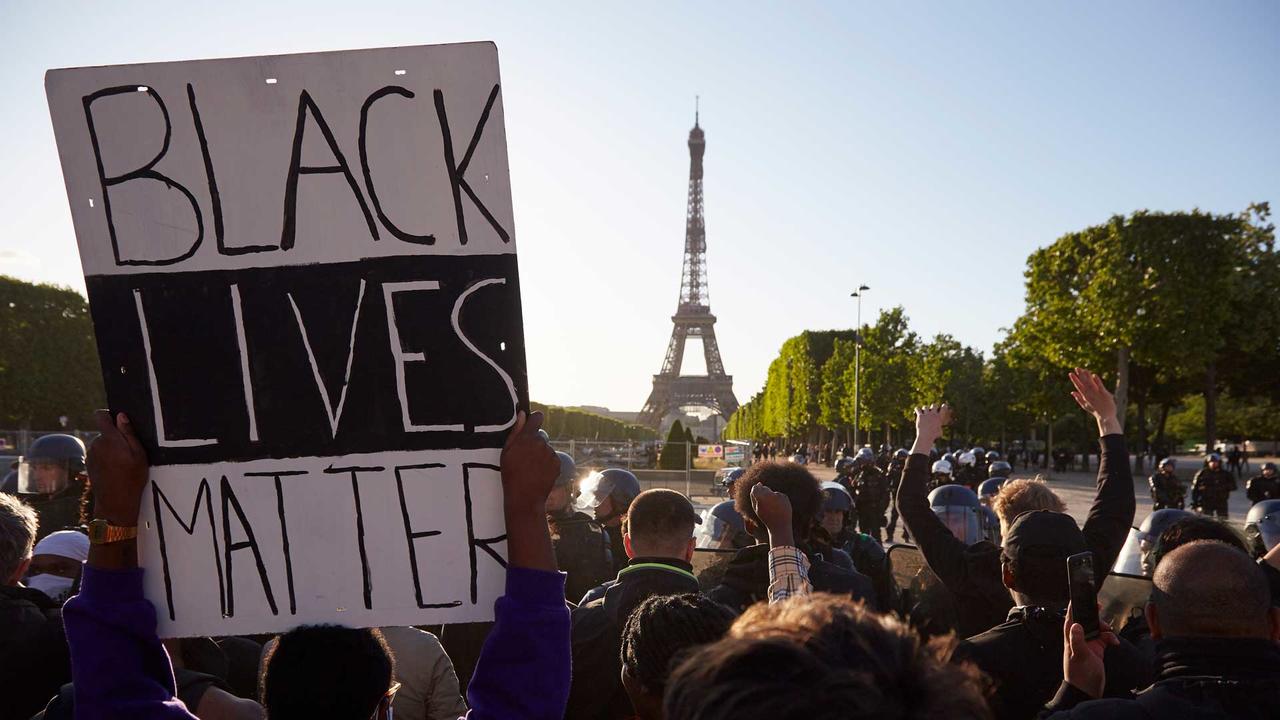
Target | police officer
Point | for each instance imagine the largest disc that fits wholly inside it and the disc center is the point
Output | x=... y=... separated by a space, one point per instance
x=730 y=479
x=608 y=495
x=722 y=528
x=960 y=510
x=844 y=473
x=1167 y=490
x=1262 y=527
x=52 y=479
x=999 y=469
x=969 y=474
x=865 y=554
x=1265 y=486
x=896 y=467
x=1211 y=488
x=870 y=493
x=979 y=462
x=941 y=474
x=582 y=548
x=1137 y=557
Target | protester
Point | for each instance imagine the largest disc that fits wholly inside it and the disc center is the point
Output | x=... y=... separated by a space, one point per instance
x=659 y=542
x=746 y=580
x=34 y=660
x=972 y=573
x=56 y=564
x=659 y=633
x=1216 y=641
x=822 y=657
x=1022 y=656
x=120 y=668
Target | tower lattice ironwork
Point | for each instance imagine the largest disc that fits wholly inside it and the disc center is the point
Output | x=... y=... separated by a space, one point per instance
x=693 y=318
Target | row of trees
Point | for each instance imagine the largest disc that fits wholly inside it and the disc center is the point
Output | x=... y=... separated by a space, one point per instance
x=563 y=423
x=1176 y=309
x=48 y=358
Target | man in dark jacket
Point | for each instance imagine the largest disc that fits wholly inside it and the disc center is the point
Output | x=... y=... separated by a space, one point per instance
x=1265 y=485
x=582 y=547
x=658 y=539
x=34 y=660
x=1024 y=655
x=746 y=579
x=973 y=572
x=1216 y=645
x=1211 y=488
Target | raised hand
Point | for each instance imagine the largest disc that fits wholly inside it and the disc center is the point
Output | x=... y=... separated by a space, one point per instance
x=930 y=420
x=118 y=470
x=774 y=510
x=529 y=470
x=1094 y=398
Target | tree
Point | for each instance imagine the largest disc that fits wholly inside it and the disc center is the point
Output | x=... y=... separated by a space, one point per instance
x=674 y=453
x=888 y=349
x=49 y=360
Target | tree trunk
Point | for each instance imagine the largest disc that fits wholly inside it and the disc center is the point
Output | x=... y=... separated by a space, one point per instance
x=1160 y=440
x=1210 y=407
x=1048 y=444
x=1139 y=458
x=1122 y=383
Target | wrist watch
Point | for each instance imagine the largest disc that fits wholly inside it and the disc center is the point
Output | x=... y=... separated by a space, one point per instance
x=102 y=532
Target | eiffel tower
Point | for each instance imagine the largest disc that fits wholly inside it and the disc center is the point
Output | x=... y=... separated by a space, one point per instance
x=671 y=390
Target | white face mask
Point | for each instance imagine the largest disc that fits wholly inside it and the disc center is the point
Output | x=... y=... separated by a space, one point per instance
x=55 y=586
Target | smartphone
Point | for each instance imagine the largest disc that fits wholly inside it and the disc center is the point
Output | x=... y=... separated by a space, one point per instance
x=1084 y=593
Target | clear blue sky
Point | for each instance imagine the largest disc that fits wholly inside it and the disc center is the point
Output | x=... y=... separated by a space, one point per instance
x=921 y=148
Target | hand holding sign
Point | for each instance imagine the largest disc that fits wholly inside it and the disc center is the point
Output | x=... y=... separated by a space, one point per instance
x=529 y=471
x=117 y=470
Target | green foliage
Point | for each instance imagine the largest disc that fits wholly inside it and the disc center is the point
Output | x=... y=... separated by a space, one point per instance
x=1239 y=419
x=674 y=453
x=573 y=424
x=48 y=358
x=888 y=351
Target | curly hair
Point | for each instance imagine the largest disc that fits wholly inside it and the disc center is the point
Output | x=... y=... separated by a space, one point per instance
x=665 y=628
x=1023 y=495
x=824 y=656
x=788 y=478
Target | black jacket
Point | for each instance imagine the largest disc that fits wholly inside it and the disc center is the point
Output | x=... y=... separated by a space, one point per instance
x=746 y=580
x=582 y=552
x=972 y=573
x=596 y=691
x=1024 y=659
x=1196 y=678
x=34 y=659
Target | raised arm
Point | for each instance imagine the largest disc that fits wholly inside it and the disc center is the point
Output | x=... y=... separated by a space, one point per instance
x=1111 y=515
x=943 y=551
x=788 y=566
x=118 y=665
x=523 y=671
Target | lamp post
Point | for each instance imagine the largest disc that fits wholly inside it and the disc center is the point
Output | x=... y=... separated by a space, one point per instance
x=857 y=366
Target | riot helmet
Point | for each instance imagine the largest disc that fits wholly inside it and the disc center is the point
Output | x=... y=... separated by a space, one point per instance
x=618 y=486
x=568 y=469
x=902 y=454
x=990 y=525
x=722 y=528
x=950 y=457
x=992 y=456
x=845 y=466
x=967 y=459
x=959 y=509
x=979 y=452
x=1170 y=463
x=833 y=514
x=1268 y=467
x=864 y=458
x=1262 y=527
x=542 y=433
x=729 y=478
x=50 y=464
x=999 y=469
x=990 y=487
x=1212 y=458
x=942 y=467
x=1136 y=557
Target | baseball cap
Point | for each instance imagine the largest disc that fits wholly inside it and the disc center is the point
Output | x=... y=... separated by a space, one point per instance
x=1044 y=532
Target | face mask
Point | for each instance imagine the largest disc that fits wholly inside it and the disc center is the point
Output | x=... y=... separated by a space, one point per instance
x=55 y=586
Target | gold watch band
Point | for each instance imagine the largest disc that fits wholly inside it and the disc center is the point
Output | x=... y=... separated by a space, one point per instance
x=103 y=533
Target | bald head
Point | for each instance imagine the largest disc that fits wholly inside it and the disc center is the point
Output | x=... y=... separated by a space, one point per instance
x=1210 y=589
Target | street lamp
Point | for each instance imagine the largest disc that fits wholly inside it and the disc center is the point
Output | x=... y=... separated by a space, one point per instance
x=857 y=366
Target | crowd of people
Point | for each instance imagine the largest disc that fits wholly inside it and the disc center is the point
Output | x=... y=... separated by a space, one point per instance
x=607 y=612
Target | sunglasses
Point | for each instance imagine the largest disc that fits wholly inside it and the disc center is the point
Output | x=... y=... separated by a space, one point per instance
x=384 y=710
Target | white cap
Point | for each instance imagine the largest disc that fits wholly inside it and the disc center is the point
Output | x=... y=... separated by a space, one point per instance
x=65 y=543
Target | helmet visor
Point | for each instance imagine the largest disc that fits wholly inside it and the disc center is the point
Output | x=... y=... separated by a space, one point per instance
x=1269 y=529
x=42 y=475
x=962 y=521
x=713 y=533
x=1129 y=561
x=591 y=492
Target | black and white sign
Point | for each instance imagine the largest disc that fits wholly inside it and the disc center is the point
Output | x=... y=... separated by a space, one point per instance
x=303 y=280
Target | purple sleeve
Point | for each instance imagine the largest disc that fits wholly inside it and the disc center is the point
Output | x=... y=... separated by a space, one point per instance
x=118 y=666
x=523 y=671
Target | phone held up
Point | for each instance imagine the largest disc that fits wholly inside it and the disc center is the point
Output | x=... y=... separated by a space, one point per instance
x=1084 y=593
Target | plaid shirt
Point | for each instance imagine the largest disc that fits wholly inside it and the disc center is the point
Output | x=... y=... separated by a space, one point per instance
x=788 y=573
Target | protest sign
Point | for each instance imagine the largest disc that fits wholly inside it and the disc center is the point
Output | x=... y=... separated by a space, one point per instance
x=302 y=276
